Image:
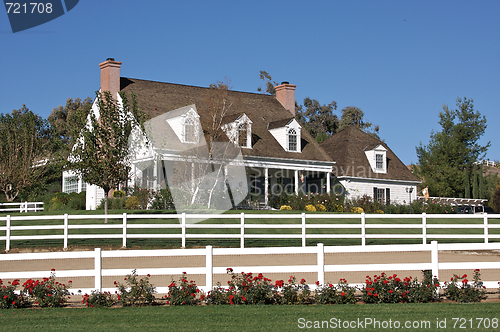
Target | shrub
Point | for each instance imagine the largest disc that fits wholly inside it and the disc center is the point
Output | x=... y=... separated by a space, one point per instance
x=136 y=292
x=333 y=294
x=391 y=289
x=320 y=207
x=163 y=200
x=357 y=209
x=293 y=293
x=10 y=299
x=132 y=203
x=98 y=299
x=285 y=208
x=48 y=292
x=379 y=211
x=310 y=208
x=118 y=193
x=460 y=290
x=218 y=295
x=182 y=294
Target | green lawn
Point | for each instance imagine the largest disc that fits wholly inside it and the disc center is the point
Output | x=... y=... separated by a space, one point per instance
x=173 y=243
x=254 y=318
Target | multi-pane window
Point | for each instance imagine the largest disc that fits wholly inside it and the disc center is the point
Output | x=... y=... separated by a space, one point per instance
x=379 y=161
x=292 y=140
x=189 y=134
x=242 y=135
x=70 y=185
x=381 y=195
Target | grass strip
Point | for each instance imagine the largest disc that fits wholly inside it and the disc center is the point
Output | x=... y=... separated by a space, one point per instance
x=255 y=318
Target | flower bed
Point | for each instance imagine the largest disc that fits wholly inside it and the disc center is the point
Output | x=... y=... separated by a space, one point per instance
x=248 y=289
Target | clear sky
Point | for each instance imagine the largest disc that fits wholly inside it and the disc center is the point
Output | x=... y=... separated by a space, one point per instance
x=399 y=61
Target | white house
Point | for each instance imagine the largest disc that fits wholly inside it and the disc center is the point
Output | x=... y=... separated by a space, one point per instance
x=367 y=166
x=276 y=152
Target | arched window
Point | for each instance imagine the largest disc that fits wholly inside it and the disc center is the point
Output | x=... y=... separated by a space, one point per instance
x=292 y=140
x=242 y=135
x=189 y=134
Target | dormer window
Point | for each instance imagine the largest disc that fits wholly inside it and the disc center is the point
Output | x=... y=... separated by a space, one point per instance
x=292 y=140
x=189 y=130
x=379 y=161
x=238 y=128
x=287 y=133
x=243 y=135
x=377 y=158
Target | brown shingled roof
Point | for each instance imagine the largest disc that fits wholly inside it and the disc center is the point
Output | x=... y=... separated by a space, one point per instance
x=347 y=148
x=156 y=98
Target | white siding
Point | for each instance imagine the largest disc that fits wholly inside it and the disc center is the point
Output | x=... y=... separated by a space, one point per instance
x=359 y=187
x=94 y=196
x=176 y=125
x=280 y=135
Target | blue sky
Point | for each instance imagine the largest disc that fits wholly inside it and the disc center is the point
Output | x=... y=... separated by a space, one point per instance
x=399 y=61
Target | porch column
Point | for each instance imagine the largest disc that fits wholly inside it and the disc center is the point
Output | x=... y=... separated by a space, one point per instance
x=266 y=185
x=192 y=177
x=132 y=178
x=155 y=175
x=328 y=182
x=296 y=182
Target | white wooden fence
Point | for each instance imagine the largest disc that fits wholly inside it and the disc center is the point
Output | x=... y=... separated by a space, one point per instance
x=423 y=226
x=21 y=207
x=317 y=266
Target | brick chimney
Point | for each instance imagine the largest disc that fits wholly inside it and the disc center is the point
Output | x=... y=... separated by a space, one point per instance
x=110 y=76
x=285 y=93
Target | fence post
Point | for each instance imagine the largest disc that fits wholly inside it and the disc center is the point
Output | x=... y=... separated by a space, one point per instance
x=435 y=259
x=98 y=269
x=183 y=230
x=424 y=227
x=124 y=241
x=363 y=229
x=303 y=229
x=486 y=232
x=321 y=263
x=242 y=222
x=65 y=231
x=7 y=234
x=210 y=269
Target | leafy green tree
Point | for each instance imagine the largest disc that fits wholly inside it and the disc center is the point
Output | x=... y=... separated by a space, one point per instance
x=353 y=116
x=68 y=120
x=268 y=83
x=101 y=155
x=319 y=120
x=475 y=189
x=25 y=151
x=442 y=163
x=467 y=183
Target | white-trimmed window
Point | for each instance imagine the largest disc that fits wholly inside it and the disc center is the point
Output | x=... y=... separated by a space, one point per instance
x=243 y=135
x=189 y=130
x=379 y=161
x=292 y=139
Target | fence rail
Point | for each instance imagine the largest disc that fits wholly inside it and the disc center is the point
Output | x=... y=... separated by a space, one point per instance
x=243 y=226
x=209 y=269
x=21 y=207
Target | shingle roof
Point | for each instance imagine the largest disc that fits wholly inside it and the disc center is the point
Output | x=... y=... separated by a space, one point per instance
x=347 y=148
x=156 y=98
